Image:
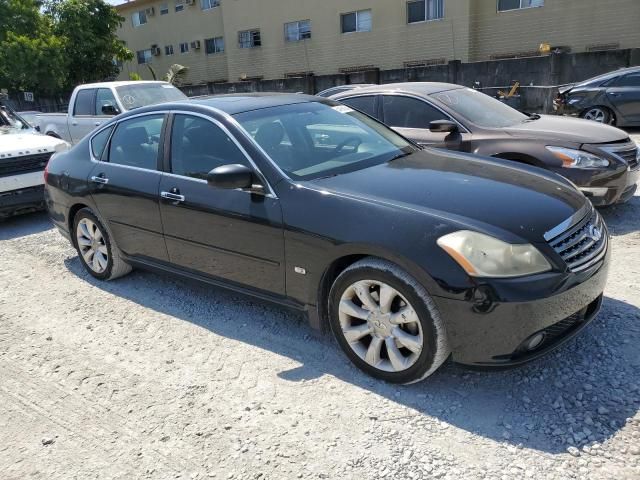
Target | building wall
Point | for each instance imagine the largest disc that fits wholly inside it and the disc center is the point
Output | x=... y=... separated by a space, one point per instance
x=577 y=24
x=471 y=30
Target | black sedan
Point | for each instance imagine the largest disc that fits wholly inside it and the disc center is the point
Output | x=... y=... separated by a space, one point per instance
x=408 y=255
x=603 y=161
x=613 y=98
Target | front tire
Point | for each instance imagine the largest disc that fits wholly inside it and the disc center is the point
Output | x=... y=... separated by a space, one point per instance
x=98 y=253
x=386 y=322
x=598 y=114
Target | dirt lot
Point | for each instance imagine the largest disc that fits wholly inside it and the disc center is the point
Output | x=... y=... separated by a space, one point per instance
x=152 y=377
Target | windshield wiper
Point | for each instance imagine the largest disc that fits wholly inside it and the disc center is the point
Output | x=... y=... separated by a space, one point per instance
x=532 y=116
x=399 y=155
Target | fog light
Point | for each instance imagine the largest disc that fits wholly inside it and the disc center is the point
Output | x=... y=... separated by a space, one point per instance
x=535 y=341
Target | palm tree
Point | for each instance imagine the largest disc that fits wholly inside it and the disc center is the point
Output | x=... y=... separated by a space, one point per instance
x=176 y=74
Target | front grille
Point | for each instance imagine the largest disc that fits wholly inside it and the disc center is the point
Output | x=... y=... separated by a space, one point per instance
x=25 y=164
x=583 y=244
x=627 y=153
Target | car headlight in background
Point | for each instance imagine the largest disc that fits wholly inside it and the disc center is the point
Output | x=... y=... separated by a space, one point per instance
x=577 y=158
x=484 y=256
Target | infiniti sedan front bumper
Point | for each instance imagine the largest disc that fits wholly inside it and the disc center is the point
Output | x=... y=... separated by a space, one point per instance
x=496 y=326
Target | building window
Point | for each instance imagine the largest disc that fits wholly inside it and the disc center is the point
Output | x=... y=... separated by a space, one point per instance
x=139 y=18
x=179 y=5
x=423 y=10
x=144 y=56
x=249 y=39
x=296 y=31
x=164 y=9
x=505 y=5
x=214 y=45
x=168 y=49
x=184 y=47
x=359 y=21
x=209 y=4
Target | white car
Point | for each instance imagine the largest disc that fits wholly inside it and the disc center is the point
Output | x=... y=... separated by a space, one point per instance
x=24 y=154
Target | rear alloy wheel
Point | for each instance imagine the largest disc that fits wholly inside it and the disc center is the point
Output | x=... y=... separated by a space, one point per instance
x=598 y=114
x=99 y=255
x=386 y=323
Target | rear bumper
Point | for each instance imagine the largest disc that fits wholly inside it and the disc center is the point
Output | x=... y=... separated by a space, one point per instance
x=22 y=200
x=493 y=333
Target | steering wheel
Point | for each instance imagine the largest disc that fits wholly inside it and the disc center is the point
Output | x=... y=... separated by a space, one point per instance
x=356 y=144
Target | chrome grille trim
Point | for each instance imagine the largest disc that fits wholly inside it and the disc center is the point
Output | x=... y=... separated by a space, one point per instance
x=578 y=247
x=627 y=153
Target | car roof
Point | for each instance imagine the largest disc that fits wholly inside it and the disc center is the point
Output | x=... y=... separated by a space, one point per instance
x=420 y=88
x=608 y=75
x=244 y=102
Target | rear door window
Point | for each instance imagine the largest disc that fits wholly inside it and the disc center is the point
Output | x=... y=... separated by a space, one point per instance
x=135 y=142
x=364 y=104
x=84 y=105
x=406 y=112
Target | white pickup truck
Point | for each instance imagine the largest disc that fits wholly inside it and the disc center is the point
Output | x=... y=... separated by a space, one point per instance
x=94 y=103
x=24 y=154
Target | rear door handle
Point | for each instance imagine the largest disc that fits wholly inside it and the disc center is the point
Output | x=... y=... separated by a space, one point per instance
x=176 y=197
x=99 y=179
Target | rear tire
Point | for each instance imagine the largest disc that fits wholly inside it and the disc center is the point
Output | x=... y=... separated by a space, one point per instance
x=599 y=114
x=386 y=322
x=98 y=252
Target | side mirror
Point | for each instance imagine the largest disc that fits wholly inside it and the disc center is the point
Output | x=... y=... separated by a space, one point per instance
x=110 y=110
x=443 y=126
x=231 y=177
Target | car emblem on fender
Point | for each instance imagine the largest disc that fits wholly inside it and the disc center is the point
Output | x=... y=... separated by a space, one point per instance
x=595 y=233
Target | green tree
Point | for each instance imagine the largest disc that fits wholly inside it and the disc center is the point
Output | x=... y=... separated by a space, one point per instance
x=89 y=28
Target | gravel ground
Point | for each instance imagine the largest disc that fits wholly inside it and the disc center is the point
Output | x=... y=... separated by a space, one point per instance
x=153 y=377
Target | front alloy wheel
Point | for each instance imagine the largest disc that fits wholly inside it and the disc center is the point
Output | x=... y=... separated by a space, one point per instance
x=597 y=114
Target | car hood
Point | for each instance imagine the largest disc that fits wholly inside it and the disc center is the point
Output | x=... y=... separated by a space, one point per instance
x=28 y=142
x=515 y=203
x=566 y=129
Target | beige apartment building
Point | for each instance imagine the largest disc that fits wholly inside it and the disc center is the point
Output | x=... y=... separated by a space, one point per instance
x=232 y=40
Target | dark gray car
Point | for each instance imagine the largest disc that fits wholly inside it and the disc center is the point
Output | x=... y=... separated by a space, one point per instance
x=613 y=98
x=601 y=160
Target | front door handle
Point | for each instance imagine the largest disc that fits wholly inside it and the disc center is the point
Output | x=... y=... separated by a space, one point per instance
x=100 y=179
x=175 y=197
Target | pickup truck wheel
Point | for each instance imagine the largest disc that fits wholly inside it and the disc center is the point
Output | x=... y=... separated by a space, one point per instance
x=386 y=322
x=97 y=251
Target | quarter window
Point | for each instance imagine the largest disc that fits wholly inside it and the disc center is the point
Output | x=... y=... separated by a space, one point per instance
x=209 y=4
x=135 y=142
x=184 y=47
x=296 y=31
x=405 y=112
x=168 y=49
x=423 y=10
x=84 y=103
x=144 y=56
x=104 y=98
x=364 y=104
x=505 y=5
x=198 y=146
x=99 y=141
x=249 y=39
x=139 y=18
x=214 y=45
x=164 y=9
x=359 y=21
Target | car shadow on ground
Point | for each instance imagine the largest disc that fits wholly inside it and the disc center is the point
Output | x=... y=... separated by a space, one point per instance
x=548 y=405
x=24 y=225
x=622 y=219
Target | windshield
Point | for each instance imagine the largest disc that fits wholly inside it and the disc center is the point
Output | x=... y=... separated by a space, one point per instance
x=136 y=96
x=10 y=120
x=480 y=108
x=314 y=140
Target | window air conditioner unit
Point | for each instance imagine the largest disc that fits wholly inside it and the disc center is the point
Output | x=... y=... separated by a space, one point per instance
x=150 y=12
x=195 y=44
x=190 y=2
x=155 y=50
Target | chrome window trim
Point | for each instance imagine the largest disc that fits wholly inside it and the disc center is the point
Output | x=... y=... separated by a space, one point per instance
x=572 y=220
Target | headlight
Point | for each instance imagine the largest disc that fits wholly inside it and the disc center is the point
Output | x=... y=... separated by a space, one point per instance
x=484 y=256
x=577 y=158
